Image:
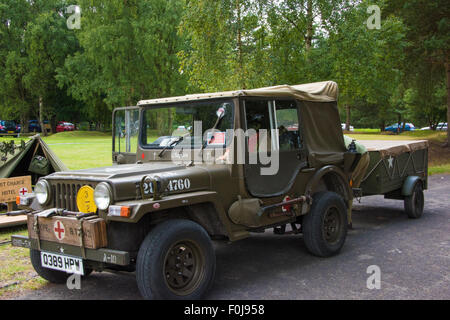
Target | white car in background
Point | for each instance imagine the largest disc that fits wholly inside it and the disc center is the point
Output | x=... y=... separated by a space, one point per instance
x=351 y=127
x=443 y=126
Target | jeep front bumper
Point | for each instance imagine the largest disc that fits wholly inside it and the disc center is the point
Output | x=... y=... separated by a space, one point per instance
x=106 y=256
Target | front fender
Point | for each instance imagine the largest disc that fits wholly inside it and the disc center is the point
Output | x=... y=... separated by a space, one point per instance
x=140 y=208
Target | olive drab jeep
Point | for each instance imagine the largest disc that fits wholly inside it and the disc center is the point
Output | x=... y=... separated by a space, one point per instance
x=191 y=170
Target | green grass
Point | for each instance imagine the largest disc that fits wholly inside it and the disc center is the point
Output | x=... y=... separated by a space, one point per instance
x=440 y=169
x=79 y=149
x=367 y=131
x=15 y=266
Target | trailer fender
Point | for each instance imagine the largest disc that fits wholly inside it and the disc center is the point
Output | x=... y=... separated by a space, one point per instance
x=408 y=185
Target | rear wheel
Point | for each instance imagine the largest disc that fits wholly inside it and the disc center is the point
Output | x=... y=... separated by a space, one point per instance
x=325 y=226
x=176 y=261
x=414 y=203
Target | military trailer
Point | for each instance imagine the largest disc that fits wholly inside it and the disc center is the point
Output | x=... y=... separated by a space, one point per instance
x=398 y=170
x=200 y=168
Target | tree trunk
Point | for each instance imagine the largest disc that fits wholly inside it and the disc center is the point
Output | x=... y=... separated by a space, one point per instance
x=24 y=119
x=309 y=30
x=447 y=67
x=170 y=120
x=239 y=44
x=41 y=116
x=347 y=117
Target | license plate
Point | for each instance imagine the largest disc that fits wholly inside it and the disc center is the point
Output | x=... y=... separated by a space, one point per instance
x=62 y=263
x=10 y=131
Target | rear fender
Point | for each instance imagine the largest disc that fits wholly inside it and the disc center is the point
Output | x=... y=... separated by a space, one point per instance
x=338 y=175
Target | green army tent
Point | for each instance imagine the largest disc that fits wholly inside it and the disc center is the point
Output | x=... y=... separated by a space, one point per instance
x=18 y=164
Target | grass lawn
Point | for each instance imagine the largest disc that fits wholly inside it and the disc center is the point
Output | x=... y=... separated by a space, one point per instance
x=79 y=149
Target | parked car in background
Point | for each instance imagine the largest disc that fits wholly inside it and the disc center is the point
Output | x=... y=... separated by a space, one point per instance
x=8 y=127
x=65 y=126
x=394 y=128
x=34 y=126
x=351 y=127
x=440 y=127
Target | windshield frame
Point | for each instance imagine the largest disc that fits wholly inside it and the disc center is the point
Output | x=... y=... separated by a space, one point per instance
x=198 y=103
x=114 y=151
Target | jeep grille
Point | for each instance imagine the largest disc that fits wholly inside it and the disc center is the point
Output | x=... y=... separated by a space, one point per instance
x=64 y=195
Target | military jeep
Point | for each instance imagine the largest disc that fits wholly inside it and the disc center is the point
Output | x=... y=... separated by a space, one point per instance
x=191 y=170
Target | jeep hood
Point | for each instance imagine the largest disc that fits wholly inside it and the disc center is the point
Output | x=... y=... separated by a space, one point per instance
x=125 y=180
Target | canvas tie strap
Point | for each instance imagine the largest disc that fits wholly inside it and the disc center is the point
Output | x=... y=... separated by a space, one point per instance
x=80 y=234
x=36 y=230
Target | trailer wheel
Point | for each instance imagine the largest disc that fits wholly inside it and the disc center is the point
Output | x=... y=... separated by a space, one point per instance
x=325 y=226
x=414 y=203
x=176 y=261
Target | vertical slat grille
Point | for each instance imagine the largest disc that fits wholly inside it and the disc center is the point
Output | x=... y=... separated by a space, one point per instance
x=58 y=196
x=65 y=195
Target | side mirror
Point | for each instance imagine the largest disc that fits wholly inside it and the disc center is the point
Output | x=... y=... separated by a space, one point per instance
x=220 y=112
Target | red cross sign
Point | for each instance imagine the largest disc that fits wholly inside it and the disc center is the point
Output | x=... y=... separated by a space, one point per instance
x=59 y=229
x=23 y=191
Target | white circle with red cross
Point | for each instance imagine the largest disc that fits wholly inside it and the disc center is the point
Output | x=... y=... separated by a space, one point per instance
x=23 y=191
x=59 y=230
x=286 y=208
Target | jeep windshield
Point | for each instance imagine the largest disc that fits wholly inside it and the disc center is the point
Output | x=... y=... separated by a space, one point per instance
x=187 y=125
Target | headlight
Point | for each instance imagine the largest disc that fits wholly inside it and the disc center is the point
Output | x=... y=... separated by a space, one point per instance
x=42 y=192
x=102 y=196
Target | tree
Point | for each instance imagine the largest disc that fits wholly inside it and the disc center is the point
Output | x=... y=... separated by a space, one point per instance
x=48 y=42
x=367 y=63
x=428 y=25
x=128 y=53
x=15 y=98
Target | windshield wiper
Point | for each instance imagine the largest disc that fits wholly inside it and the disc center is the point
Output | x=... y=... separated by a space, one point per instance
x=172 y=144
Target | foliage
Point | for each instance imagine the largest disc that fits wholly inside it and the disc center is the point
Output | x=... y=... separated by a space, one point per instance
x=130 y=50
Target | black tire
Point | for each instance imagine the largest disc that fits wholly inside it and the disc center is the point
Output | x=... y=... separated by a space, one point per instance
x=325 y=226
x=53 y=276
x=414 y=203
x=176 y=261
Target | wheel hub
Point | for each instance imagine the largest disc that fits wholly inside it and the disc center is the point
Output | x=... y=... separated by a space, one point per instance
x=183 y=268
x=331 y=225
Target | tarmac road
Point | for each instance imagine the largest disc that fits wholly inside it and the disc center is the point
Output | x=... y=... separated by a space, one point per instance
x=413 y=257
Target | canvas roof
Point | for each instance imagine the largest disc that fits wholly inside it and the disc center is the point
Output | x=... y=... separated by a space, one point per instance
x=326 y=91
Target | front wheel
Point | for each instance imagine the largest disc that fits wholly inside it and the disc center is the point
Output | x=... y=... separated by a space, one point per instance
x=176 y=261
x=414 y=203
x=325 y=226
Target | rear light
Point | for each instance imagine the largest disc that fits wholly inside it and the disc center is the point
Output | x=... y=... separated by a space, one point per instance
x=119 y=211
